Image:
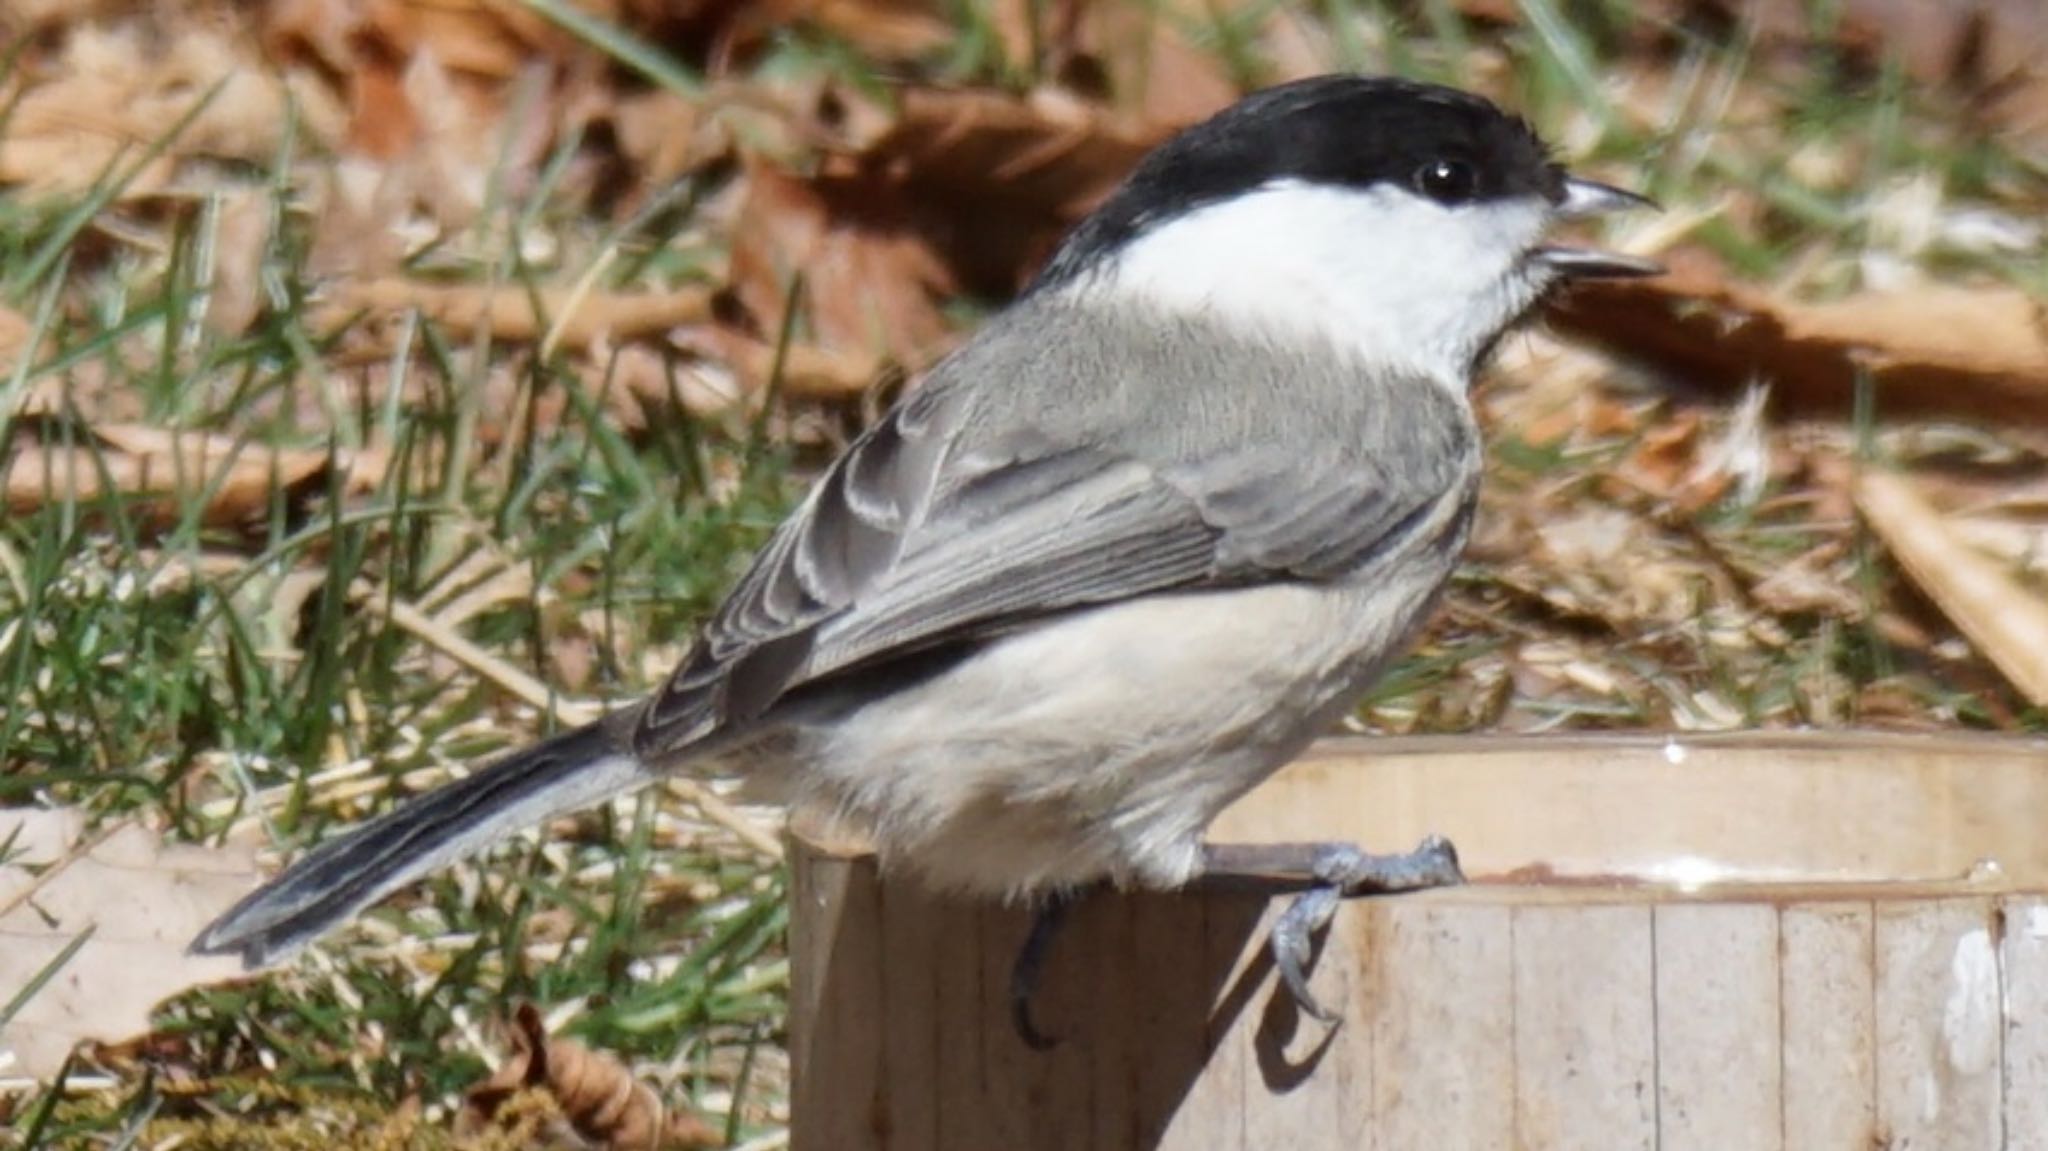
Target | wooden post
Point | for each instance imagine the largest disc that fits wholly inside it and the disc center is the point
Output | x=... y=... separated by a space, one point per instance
x=1772 y=943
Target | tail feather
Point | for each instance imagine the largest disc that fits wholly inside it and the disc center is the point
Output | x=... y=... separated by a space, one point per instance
x=570 y=771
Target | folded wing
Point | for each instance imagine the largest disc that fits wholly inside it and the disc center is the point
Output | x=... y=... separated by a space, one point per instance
x=915 y=539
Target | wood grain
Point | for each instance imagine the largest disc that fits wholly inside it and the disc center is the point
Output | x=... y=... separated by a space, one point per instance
x=1443 y=1060
x=1585 y=1028
x=1821 y=1007
x=1827 y=978
x=1718 y=1027
x=1940 y=1029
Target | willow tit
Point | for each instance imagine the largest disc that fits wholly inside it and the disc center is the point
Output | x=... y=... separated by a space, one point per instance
x=1161 y=522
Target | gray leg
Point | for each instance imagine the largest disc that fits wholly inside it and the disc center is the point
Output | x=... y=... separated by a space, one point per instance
x=1324 y=874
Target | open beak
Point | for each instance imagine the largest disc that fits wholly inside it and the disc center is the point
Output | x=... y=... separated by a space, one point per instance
x=1584 y=199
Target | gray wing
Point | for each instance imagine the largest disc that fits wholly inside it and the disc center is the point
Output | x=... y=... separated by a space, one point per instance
x=1083 y=527
x=914 y=539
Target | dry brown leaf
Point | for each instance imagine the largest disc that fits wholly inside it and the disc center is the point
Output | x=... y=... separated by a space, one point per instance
x=1984 y=331
x=798 y=370
x=1154 y=64
x=1989 y=51
x=509 y=312
x=163 y=471
x=235 y=297
x=354 y=205
x=665 y=137
x=1583 y=416
x=142 y=900
x=487 y=39
x=460 y=147
x=365 y=48
x=32 y=18
x=723 y=34
x=381 y=122
x=1143 y=58
x=2000 y=617
x=954 y=190
x=871 y=281
x=1665 y=460
x=1811 y=585
x=445 y=99
x=880 y=29
x=321 y=33
x=595 y=1092
x=997 y=179
x=1051 y=151
x=109 y=93
x=1937 y=350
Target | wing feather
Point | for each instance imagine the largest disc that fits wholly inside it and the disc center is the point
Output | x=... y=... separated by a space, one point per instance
x=844 y=537
x=967 y=512
x=1030 y=538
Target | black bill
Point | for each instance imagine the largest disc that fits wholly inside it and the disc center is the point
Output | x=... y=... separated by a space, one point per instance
x=1584 y=199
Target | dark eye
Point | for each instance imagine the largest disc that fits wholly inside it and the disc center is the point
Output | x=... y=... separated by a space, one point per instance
x=1447 y=181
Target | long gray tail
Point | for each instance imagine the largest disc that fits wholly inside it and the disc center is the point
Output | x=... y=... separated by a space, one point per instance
x=568 y=772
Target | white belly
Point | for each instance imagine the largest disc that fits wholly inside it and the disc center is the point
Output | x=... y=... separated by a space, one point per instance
x=1101 y=745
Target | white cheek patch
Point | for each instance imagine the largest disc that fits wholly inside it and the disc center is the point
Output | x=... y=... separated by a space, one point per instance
x=1385 y=273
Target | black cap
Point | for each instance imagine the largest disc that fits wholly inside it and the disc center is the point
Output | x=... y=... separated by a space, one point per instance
x=1358 y=131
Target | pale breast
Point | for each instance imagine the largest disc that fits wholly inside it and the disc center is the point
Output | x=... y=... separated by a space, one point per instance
x=1101 y=744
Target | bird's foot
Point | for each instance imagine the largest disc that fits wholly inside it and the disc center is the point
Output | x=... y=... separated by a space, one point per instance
x=1331 y=872
x=1320 y=875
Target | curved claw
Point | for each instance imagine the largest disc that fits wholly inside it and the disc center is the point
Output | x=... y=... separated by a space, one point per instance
x=1292 y=942
x=1342 y=870
x=1025 y=971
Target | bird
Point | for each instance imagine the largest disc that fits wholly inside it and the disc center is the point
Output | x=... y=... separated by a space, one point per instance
x=1156 y=525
